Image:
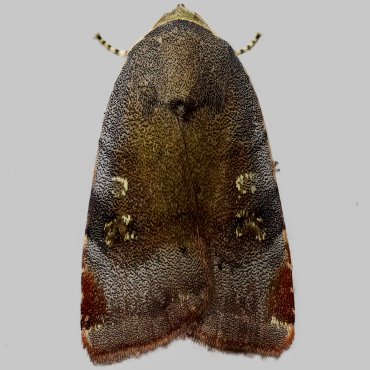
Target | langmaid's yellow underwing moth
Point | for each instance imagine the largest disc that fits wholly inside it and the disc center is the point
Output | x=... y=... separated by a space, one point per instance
x=185 y=234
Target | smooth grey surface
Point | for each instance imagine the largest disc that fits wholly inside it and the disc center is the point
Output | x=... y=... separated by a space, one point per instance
x=311 y=74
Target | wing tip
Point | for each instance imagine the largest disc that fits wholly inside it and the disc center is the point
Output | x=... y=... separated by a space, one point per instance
x=108 y=357
x=248 y=349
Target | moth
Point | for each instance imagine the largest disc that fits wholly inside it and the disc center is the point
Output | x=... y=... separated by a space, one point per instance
x=185 y=233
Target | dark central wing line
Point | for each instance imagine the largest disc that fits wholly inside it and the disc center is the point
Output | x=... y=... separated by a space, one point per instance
x=182 y=124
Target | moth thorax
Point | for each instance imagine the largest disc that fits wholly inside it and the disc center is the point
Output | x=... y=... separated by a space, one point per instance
x=181 y=13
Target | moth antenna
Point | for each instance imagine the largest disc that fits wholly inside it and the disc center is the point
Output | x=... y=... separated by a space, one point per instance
x=249 y=46
x=109 y=47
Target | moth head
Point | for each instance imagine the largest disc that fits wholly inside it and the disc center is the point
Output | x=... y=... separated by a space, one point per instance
x=182 y=13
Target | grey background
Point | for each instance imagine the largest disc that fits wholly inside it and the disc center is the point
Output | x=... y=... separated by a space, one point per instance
x=311 y=73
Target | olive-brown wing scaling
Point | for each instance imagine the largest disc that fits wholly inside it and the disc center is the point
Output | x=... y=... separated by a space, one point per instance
x=145 y=272
x=185 y=231
x=252 y=306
